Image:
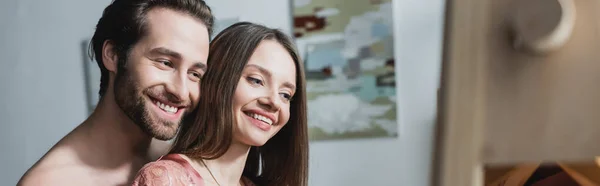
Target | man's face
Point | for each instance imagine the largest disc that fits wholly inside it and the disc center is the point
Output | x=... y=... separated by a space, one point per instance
x=160 y=81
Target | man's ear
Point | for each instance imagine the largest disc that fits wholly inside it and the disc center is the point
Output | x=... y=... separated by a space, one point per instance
x=109 y=56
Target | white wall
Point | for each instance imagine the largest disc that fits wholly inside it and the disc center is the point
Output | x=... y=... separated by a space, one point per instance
x=42 y=93
x=42 y=85
x=272 y=13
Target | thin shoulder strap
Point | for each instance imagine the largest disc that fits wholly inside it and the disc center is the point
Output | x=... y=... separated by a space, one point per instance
x=186 y=165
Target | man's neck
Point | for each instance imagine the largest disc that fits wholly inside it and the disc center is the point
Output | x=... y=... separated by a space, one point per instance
x=228 y=168
x=115 y=136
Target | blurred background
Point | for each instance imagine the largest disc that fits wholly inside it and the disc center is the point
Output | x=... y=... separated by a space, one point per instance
x=45 y=84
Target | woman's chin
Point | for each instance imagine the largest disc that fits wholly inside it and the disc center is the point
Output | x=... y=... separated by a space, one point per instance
x=255 y=142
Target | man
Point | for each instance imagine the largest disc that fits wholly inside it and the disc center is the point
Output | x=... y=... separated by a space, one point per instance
x=152 y=55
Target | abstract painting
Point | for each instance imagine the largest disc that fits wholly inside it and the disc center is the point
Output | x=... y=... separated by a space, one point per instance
x=351 y=82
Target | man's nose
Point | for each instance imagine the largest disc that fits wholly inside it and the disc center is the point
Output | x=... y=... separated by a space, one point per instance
x=178 y=87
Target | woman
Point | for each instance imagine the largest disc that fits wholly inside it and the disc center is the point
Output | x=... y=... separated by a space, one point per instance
x=250 y=124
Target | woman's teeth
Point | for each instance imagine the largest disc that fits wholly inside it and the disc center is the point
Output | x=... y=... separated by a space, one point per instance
x=261 y=118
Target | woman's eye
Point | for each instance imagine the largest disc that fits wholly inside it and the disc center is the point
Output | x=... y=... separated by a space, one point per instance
x=286 y=96
x=255 y=81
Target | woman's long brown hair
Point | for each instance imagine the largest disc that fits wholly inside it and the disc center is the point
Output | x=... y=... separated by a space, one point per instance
x=283 y=160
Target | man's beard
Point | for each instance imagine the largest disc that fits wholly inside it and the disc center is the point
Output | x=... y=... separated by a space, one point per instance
x=130 y=98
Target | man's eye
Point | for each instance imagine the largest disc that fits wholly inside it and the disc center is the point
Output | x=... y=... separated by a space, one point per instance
x=166 y=63
x=195 y=76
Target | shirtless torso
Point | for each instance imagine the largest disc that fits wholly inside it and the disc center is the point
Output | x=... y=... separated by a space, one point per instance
x=106 y=156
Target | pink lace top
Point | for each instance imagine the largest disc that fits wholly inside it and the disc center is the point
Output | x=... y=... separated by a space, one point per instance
x=172 y=170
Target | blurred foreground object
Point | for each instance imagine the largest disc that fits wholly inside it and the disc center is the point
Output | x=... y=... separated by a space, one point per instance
x=520 y=85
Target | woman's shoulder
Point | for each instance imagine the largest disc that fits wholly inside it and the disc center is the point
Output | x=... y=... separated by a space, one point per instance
x=163 y=172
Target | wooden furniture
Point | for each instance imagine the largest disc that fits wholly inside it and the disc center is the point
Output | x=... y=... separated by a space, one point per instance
x=520 y=86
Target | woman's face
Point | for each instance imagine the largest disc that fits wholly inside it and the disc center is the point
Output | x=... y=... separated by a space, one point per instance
x=261 y=103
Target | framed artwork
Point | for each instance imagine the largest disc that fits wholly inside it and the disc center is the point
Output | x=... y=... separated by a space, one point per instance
x=349 y=62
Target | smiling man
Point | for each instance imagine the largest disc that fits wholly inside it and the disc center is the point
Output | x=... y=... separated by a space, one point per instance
x=152 y=55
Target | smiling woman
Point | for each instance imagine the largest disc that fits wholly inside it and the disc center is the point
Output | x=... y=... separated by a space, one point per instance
x=250 y=124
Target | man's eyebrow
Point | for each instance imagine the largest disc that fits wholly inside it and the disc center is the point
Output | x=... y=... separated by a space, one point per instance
x=200 y=65
x=166 y=52
x=176 y=55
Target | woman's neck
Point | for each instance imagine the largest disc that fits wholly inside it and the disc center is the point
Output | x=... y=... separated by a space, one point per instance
x=228 y=169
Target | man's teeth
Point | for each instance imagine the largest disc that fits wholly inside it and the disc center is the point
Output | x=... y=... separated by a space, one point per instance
x=167 y=108
x=261 y=118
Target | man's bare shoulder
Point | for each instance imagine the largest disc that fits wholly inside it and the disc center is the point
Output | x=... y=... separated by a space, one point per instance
x=59 y=166
x=66 y=175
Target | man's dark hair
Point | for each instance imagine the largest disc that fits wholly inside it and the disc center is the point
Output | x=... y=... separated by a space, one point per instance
x=124 y=23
